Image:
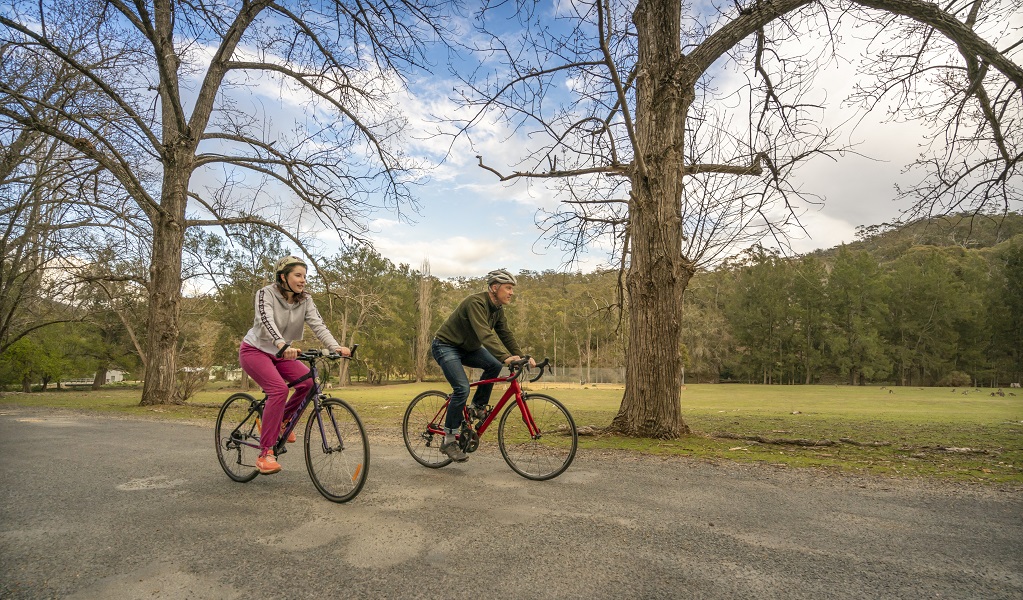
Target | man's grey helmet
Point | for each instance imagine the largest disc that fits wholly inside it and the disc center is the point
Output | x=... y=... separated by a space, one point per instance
x=500 y=276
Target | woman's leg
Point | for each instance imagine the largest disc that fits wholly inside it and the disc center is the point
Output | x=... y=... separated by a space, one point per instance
x=292 y=370
x=261 y=368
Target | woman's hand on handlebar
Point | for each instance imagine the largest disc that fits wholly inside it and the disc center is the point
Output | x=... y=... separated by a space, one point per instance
x=343 y=351
x=291 y=353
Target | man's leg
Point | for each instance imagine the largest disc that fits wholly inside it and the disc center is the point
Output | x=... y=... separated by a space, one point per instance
x=450 y=360
x=483 y=359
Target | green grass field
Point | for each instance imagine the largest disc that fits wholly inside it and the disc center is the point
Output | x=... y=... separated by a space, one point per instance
x=915 y=432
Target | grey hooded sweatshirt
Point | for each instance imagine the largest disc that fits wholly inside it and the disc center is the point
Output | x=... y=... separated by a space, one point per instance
x=277 y=320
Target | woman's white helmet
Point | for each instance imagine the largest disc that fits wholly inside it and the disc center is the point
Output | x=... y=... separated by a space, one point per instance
x=286 y=262
x=500 y=276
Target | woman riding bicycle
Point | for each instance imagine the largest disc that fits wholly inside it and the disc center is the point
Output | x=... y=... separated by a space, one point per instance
x=283 y=309
x=476 y=335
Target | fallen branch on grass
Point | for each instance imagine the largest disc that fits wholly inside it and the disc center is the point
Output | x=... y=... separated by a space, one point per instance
x=872 y=444
x=955 y=450
x=779 y=441
x=798 y=442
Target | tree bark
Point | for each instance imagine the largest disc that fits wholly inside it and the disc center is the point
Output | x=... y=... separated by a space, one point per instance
x=100 y=378
x=422 y=346
x=658 y=273
x=165 y=290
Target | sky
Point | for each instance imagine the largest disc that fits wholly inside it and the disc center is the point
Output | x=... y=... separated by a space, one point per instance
x=468 y=222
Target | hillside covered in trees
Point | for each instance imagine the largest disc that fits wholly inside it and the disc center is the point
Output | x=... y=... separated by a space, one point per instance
x=934 y=302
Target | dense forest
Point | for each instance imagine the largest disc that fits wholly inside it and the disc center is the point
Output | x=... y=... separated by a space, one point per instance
x=934 y=302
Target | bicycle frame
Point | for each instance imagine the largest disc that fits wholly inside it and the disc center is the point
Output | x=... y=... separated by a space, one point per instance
x=314 y=395
x=514 y=389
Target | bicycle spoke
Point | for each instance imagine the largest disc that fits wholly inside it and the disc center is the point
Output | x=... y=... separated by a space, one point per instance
x=548 y=451
x=421 y=427
x=236 y=435
x=336 y=451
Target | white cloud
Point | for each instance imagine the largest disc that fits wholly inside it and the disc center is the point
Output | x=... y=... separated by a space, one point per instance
x=452 y=256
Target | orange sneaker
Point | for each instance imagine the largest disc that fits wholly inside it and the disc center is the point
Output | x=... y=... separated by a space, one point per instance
x=292 y=438
x=267 y=464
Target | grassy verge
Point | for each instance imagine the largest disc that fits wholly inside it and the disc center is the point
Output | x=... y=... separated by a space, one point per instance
x=918 y=432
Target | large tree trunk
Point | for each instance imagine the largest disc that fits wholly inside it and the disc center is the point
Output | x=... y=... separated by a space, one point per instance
x=165 y=291
x=658 y=273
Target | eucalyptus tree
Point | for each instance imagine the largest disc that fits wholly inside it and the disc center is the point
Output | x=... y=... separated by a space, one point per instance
x=176 y=115
x=706 y=331
x=425 y=327
x=761 y=314
x=674 y=129
x=1007 y=315
x=929 y=299
x=809 y=302
x=365 y=299
x=857 y=297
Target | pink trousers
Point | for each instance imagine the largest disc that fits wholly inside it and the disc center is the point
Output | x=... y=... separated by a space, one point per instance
x=273 y=374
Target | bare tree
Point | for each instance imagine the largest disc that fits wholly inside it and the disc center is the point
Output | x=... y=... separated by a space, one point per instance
x=675 y=133
x=175 y=118
x=34 y=293
x=425 y=318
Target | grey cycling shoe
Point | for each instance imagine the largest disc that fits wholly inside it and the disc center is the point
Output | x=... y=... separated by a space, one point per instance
x=453 y=451
x=478 y=413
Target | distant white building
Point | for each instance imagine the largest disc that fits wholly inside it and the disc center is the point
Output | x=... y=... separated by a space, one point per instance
x=113 y=376
x=227 y=373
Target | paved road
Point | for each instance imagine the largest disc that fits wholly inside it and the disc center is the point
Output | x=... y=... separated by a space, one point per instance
x=95 y=507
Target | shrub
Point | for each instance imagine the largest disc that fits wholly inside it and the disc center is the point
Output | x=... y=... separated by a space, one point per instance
x=956 y=379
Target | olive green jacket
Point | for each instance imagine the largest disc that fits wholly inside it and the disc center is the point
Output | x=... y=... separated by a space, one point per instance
x=479 y=322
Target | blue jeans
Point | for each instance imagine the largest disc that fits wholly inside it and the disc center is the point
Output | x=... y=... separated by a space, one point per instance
x=451 y=358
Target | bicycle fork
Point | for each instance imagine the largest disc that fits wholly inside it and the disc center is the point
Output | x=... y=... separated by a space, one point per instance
x=318 y=410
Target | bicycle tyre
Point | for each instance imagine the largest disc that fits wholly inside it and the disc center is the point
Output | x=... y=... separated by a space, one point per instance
x=550 y=453
x=423 y=445
x=238 y=424
x=338 y=467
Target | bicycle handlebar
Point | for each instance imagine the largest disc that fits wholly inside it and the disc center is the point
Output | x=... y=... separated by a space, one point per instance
x=523 y=365
x=545 y=364
x=308 y=355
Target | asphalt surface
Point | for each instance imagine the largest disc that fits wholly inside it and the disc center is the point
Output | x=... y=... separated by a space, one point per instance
x=95 y=507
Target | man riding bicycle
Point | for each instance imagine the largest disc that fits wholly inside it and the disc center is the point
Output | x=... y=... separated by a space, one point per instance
x=476 y=335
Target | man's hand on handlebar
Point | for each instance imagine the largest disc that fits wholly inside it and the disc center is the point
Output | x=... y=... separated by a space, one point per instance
x=511 y=359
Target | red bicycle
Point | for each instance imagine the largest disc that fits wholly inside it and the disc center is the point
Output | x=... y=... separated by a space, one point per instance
x=536 y=434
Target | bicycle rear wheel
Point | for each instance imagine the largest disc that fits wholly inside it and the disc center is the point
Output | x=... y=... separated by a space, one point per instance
x=237 y=436
x=547 y=454
x=423 y=418
x=336 y=450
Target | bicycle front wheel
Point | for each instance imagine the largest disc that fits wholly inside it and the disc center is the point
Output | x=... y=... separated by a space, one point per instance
x=423 y=426
x=550 y=451
x=237 y=437
x=336 y=450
